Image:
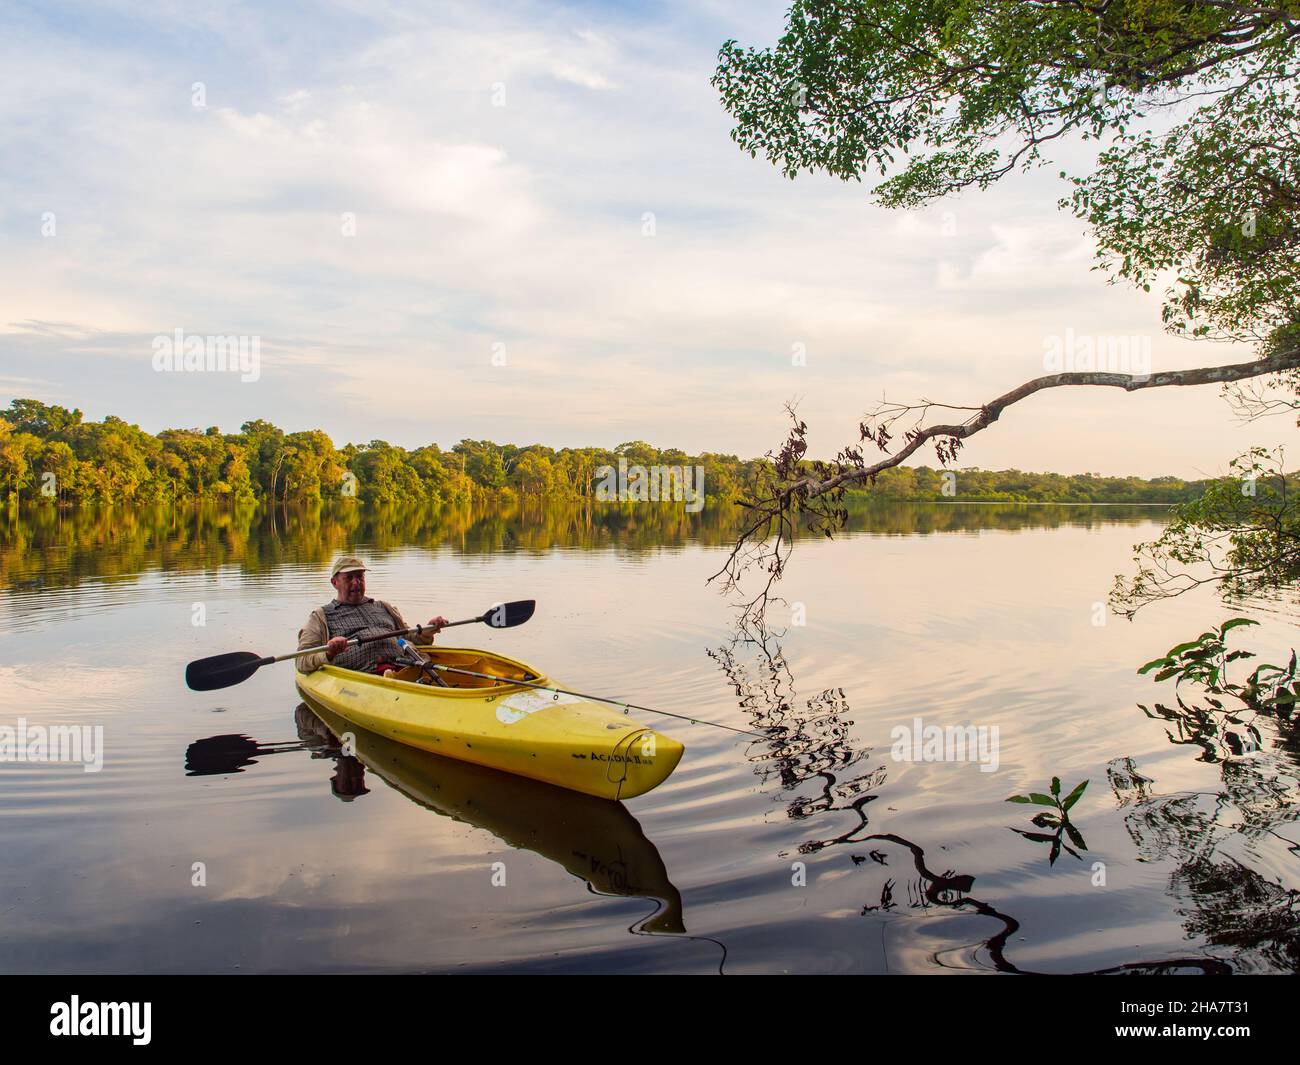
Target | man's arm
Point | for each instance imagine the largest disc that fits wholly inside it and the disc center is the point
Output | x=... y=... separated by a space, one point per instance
x=313 y=634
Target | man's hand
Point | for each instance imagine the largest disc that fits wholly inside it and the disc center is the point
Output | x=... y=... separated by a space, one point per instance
x=436 y=624
x=336 y=647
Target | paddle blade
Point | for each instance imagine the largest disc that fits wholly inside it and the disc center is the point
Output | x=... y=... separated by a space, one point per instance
x=508 y=615
x=220 y=754
x=223 y=671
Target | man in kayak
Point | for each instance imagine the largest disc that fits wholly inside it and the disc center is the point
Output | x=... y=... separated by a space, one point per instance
x=351 y=613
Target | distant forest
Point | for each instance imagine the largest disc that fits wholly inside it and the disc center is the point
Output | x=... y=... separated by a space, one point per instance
x=49 y=454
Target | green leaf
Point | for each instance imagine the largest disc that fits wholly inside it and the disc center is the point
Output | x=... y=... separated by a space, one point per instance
x=1036 y=837
x=1074 y=796
x=1234 y=623
x=1056 y=785
x=1019 y=798
x=1038 y=798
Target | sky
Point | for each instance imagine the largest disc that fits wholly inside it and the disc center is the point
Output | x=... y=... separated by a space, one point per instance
x=526 y=223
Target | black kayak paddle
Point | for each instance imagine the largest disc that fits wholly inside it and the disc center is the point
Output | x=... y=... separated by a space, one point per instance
x=225 y=671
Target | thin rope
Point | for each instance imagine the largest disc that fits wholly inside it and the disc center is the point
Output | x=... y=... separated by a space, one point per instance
x=600 y=698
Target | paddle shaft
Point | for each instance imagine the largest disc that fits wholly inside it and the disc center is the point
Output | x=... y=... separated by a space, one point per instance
x=356 y=641
x=223 y=671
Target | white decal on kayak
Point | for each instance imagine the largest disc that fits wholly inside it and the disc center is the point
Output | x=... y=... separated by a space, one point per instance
x=519 y=706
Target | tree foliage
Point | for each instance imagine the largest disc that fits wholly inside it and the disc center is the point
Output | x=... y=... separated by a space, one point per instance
x=1241 y=534
x=940 y=95
x=965 y=91
x=112 y=461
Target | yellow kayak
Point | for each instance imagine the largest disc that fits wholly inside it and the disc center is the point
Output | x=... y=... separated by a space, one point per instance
x=561 y=739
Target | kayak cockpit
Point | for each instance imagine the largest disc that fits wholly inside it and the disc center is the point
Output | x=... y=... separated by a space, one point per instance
x=495 y=670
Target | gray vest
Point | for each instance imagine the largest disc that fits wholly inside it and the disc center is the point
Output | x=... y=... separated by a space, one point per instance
x=364 y=619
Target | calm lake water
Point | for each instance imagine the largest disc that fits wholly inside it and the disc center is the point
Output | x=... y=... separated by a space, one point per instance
x=814 y=850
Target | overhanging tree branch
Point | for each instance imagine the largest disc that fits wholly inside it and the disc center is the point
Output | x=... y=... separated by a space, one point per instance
x=990 y=412
x=790 y=487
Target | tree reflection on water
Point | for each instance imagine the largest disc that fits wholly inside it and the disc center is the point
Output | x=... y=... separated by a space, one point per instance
x=1225 y=846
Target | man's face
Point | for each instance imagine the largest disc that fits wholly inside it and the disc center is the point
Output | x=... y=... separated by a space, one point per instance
x=351 y=586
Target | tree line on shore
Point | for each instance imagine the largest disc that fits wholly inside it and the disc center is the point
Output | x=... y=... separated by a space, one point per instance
x=50 y=454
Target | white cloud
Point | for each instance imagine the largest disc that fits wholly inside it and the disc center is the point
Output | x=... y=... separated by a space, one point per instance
x=519 y=224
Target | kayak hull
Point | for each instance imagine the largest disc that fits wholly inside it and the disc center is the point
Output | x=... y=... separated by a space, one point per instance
x=560 y=739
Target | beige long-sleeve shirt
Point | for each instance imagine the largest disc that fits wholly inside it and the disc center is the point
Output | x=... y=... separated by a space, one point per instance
x=316 y=632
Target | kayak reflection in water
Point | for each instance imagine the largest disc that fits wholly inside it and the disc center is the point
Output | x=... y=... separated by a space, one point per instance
x=599 y=842
x=350 y=614
x=349 y=779
x=233 y=754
